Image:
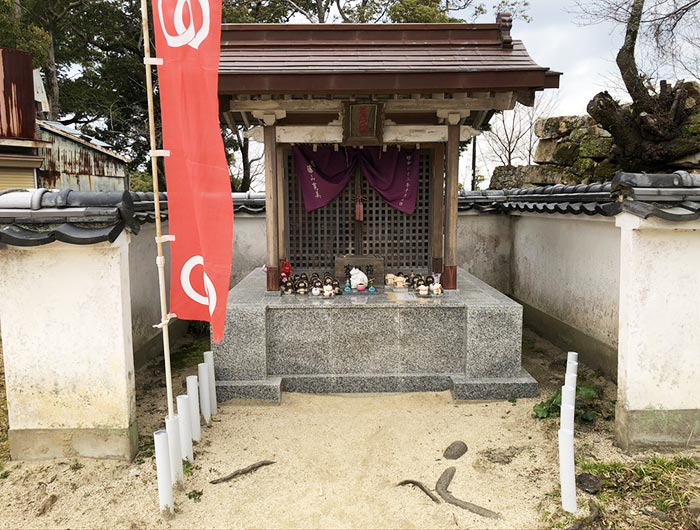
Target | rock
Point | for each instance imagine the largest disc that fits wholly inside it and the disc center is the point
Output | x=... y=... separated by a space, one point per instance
x=584 y=167
x=508 y=177
x=595 y=147
x=135 y=472
x=596 y=131
x=545 y=150
x=565 y=153
x=605 y=171
x=455 y=450
x=589 y=483
x=559 y=126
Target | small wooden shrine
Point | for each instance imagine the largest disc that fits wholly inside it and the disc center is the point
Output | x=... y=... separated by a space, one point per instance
x=375 y=89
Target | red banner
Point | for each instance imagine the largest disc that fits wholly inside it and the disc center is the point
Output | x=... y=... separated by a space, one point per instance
x=188 y=39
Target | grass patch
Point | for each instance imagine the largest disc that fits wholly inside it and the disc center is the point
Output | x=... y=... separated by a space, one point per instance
x=189 y=351
x=76 y=466
x=654 y=493
x=195 y=495
x=587 y=400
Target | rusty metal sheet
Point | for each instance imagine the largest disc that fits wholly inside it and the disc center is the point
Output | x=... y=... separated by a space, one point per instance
x=17 y=111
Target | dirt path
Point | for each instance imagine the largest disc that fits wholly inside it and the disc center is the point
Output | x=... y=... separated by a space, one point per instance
x=338 y=459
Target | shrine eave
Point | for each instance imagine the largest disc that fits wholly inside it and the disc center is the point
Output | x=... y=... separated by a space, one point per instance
x=345 y=59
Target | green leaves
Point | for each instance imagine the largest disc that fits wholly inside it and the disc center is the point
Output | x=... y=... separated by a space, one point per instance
x=586 y=395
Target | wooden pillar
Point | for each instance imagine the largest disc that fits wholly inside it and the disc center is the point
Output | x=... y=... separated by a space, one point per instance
x=282 y=202
x=449 y=277
x=271 y=192
x=437 y=208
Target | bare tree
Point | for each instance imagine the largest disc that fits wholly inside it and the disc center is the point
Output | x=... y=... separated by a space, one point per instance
x=651 y=132
x=511 y=139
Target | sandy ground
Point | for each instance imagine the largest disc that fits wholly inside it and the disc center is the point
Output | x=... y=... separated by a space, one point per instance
x=338 y=459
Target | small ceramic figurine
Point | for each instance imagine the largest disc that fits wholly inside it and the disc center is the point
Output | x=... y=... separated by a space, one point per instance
x=328 y=280
x=361 y=287
x=357 y=277
x=429 y=280
x=317 y=288
x=302 y=287
x=389 y=279
x=348 y=288
x=423 y=290
x=420 y=282
x=372 y=289
x=400 y=282
x=288 y=287
x=336 y=287
x=436 y=288
x=328 y=290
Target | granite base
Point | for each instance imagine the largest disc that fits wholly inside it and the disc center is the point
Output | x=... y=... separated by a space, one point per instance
x=467 y=341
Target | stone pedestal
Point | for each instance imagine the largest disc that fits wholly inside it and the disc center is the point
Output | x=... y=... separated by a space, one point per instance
x=65 y=316
x=467 y=340
x=659 y=349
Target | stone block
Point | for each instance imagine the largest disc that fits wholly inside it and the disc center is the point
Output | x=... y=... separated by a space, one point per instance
x=366 y=383
x=43 y=444
x=595 y=147
x=468 y=389
x=584 y=167
x=605 y=171
x=565 y=154
x=494 y=341
x=545 y=151
x=262 y=390
x=243 y=353
x=559 y=126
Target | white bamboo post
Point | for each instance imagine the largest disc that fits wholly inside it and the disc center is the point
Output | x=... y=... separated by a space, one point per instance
x=165 y=486
x=193 y=394
x=209 y=359
x=160 y=259
x=203 y=371
x=567 y=465
x=183 y=413
x=177 y=475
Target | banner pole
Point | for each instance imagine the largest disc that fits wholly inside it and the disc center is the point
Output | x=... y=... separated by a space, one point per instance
x=160 y=260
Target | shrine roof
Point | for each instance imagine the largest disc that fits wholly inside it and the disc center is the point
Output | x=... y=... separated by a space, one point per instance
x=376 y=58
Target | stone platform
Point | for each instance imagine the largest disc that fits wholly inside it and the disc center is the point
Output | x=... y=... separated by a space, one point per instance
x=467 y=341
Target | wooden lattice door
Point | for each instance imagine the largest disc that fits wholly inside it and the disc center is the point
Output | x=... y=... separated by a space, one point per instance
x=316 y=238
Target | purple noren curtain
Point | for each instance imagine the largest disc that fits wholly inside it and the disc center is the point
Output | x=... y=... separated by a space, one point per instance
x=324 y=173
x=394 y=176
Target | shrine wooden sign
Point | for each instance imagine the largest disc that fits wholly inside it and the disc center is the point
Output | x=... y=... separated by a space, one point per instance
x=363 y=123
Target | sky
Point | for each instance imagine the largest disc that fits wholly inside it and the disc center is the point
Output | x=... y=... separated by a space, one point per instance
x=584 y=54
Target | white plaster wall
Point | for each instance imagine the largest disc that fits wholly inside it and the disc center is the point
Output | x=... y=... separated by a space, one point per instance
x=569 y=267
x=249 y=245
x=484 y=247
x=145 y=296
x=65 y=318
x=659 y=355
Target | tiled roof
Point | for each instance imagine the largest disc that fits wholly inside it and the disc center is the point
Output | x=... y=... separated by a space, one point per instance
x=673 y=197
x=36 y=217
x=285 y=58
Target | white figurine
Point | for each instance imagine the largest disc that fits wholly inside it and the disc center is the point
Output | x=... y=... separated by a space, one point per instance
x=328 y=291
x=357 y=277
x=423 y=290
x=316 y=291
x=436 y=288
x=390 y=279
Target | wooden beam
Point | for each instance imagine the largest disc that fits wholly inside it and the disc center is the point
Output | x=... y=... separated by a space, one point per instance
x=437 y=208
x=449 y=278
x=484 y=101
x=272 y=226
x=393 y=134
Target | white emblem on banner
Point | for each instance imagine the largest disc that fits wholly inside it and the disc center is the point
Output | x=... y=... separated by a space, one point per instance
x=186 y=35
x=185 y=279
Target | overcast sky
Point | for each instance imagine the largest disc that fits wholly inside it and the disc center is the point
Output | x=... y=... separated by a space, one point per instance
x=584 y=54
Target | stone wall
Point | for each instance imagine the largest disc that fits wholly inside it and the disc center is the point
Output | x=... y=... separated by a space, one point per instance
x=571 y=150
